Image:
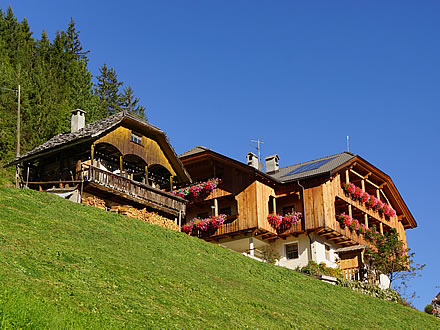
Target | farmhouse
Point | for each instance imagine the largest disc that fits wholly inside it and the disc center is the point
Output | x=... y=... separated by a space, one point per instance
x=317 y=210
x=120 y=160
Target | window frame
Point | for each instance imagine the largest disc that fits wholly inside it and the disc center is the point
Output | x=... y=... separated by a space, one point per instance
x=136 y=138
x=327 y=253
x=286 y=246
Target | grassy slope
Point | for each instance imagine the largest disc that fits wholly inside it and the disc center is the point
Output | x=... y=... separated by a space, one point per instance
x=64 y=264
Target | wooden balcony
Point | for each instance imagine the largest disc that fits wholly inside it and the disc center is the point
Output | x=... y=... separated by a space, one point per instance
x=133 y=190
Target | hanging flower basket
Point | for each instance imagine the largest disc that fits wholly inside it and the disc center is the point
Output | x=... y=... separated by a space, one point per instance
x=198 y=190
x=206 y=225
x=283 y=223
x=369 y=200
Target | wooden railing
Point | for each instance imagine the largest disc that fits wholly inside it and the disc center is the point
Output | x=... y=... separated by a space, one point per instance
x=351 y=273
x=134 y=189
x=228 y=228
x=351 y=234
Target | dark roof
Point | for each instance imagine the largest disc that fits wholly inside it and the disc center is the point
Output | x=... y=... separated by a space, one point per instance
x=194 y=151
x=89 y=131
x=282 y=175
x=333 y=162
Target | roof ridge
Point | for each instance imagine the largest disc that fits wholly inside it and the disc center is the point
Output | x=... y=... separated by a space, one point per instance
x=321 y=158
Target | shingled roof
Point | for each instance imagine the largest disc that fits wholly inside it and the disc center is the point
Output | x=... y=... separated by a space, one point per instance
x=89 y=131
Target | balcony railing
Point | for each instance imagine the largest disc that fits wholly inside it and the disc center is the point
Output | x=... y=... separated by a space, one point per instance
x=142 y=193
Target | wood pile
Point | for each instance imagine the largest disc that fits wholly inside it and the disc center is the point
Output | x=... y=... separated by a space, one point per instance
x=94 y=201
x=144 y=215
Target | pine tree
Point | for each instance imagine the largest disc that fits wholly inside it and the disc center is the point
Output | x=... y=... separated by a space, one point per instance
x=107 y=89
x=73 y=45
x=131 y=103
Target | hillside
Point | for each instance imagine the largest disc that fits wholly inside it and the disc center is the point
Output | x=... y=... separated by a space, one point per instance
x=69 y=265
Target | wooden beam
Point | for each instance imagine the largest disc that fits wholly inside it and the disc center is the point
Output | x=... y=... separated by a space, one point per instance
x=382 y=185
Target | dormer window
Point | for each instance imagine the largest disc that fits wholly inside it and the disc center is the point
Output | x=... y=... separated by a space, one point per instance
x=136 y=138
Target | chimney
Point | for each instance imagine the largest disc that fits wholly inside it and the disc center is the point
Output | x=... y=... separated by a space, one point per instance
x=252 y=160
x=78 y=120
x=272 y=163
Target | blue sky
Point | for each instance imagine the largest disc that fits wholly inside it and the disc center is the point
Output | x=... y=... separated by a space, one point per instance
x=301 y=76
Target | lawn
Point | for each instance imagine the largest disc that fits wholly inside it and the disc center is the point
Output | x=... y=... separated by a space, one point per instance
x=69 y=265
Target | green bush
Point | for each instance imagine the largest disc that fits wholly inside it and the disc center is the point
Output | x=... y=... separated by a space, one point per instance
x=428 y=309
x=313 y=269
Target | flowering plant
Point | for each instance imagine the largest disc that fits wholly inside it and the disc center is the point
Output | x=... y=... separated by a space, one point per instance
x=209 y=224
x=358 y=192
x=198 y=189
x=283 y=223
x=349 y=188
x=369 y=200
x=365 y=197
x=353 y=224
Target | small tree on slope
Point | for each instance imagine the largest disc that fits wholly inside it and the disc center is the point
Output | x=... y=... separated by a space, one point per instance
x=390 y=256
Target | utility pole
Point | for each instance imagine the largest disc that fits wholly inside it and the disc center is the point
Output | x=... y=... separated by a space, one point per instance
x=18 y=93
x=17 y=171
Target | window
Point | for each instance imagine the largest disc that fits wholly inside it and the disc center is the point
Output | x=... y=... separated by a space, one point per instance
x=136 y=138
x=292 y=251
x=288 y=209
x=327 y=252
x=226 y=210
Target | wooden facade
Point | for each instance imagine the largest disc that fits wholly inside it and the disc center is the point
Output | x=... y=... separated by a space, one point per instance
x=254 y=195
x=121 y=160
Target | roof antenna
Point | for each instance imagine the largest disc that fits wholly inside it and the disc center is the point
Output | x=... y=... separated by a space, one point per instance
x=258 y=147
x=348 y=143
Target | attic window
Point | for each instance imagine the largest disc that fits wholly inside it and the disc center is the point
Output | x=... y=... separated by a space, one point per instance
x=136 y=138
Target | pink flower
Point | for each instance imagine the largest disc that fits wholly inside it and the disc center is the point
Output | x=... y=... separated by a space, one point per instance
x=349 y=188
x=365 y=197
x=358 y=193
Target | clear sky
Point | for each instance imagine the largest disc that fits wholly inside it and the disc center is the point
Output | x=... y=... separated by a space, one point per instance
x=300 y=76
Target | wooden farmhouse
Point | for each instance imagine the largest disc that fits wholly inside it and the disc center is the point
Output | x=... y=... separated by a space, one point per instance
x=319 y=190
x=121 y=160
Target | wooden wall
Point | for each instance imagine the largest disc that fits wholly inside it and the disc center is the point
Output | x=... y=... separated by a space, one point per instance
x=314 y=207
x=150 y=150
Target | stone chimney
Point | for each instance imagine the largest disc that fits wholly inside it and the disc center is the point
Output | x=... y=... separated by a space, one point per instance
x=272 y=163
x=78 y=120
x=252 y=160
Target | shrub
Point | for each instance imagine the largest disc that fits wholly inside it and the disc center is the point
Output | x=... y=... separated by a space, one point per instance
x=428 y=309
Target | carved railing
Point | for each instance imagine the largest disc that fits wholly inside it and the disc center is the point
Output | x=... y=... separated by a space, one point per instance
x=134 y=189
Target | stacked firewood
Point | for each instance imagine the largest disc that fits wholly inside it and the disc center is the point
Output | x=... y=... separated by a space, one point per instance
x=144 y=215
x=94 y=201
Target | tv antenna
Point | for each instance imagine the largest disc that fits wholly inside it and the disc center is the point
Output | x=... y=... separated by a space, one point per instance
x=258 y=147
x=348 y=143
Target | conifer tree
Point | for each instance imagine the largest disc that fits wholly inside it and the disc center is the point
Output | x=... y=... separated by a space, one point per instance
x=107 y=89
x=131 y=103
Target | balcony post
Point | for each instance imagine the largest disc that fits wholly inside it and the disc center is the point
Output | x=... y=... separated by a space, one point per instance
x=121 y=162
x=171 y=183
x=92 y=155
x=251 y=246
x=146 y=174
x=216 y=207
x=366 y=219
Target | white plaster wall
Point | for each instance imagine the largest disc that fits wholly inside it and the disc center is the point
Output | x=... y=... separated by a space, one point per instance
x=303 y=246
x=318 y=251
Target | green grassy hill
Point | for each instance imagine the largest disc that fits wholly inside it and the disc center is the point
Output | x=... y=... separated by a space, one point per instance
x=69 y=265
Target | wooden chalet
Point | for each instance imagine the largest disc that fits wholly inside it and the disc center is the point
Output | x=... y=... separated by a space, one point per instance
x=121 y=159
x=247 y=195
